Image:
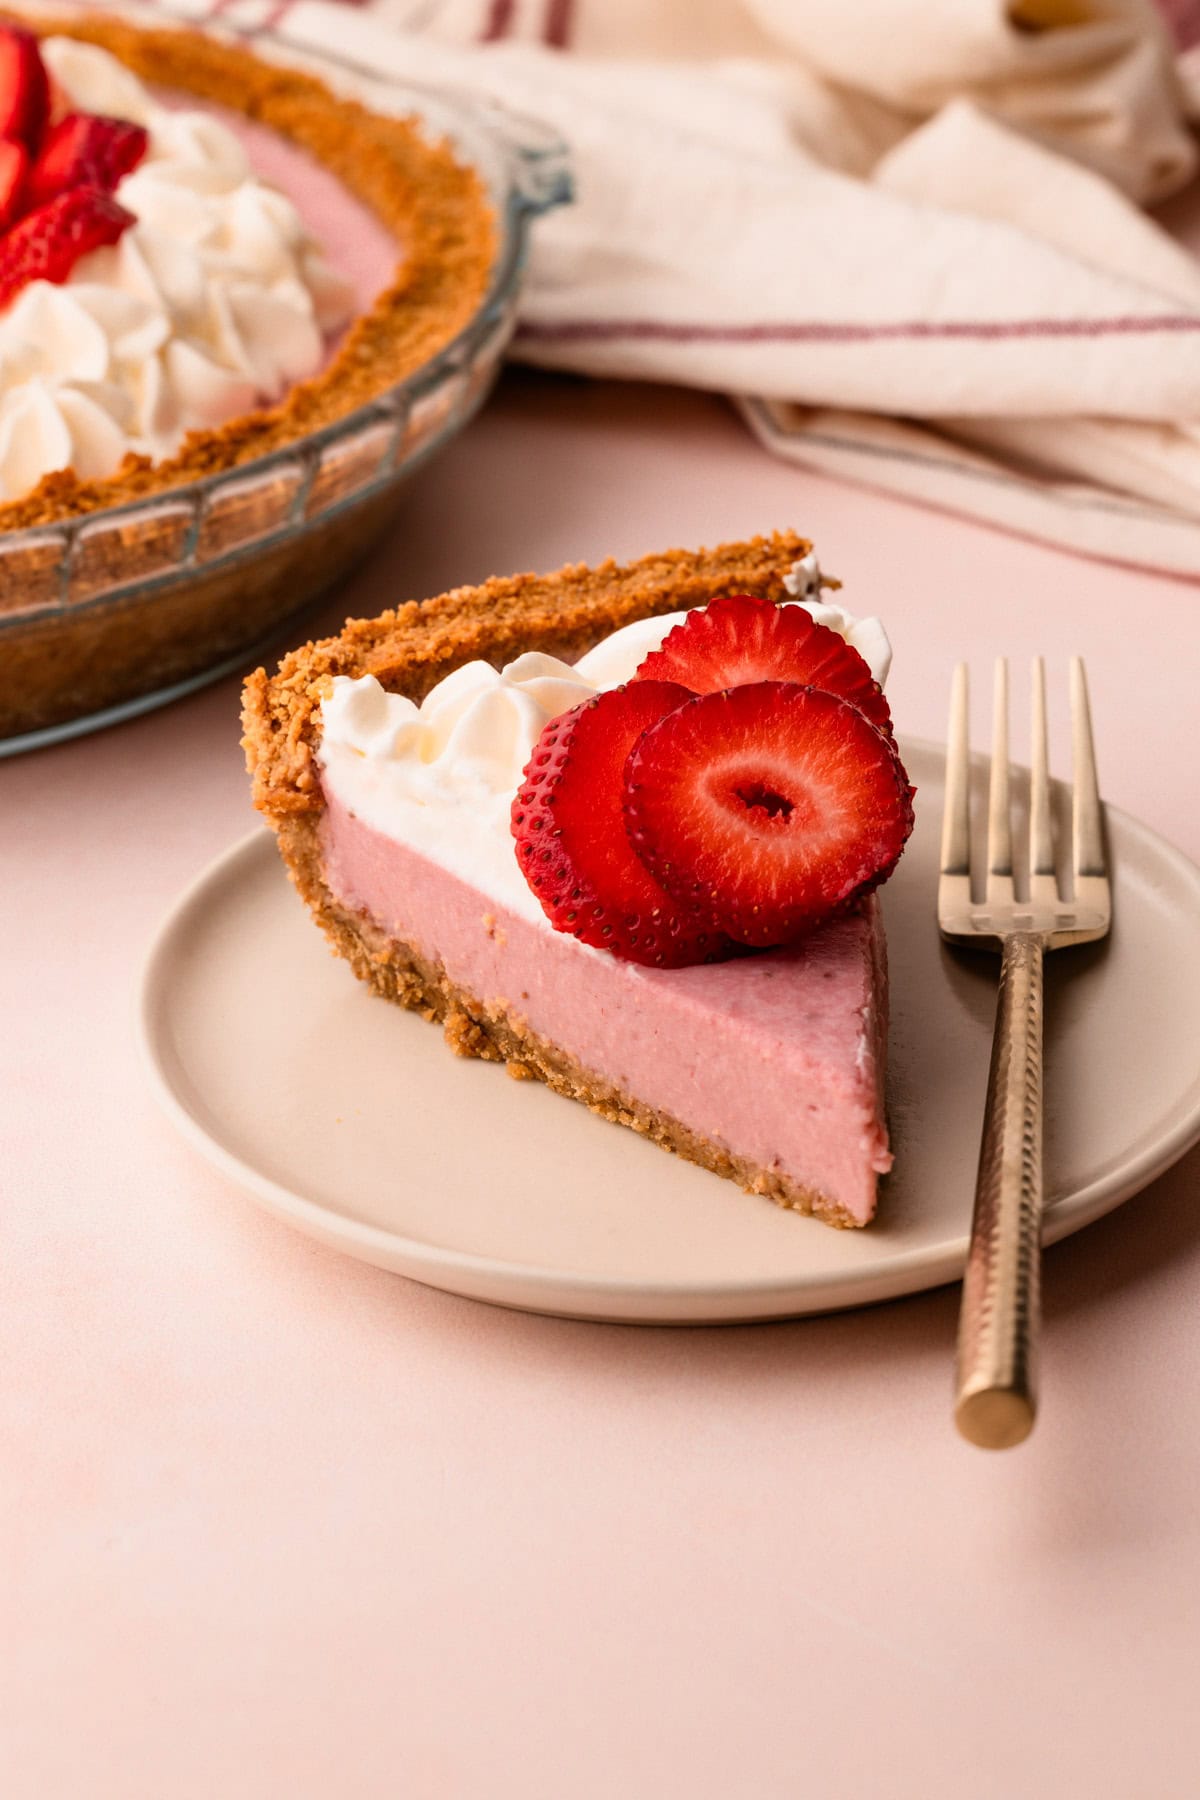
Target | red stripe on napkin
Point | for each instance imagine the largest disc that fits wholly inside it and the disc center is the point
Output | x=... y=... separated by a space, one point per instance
x=498 y=23
x=823 y=332
x=557 y=29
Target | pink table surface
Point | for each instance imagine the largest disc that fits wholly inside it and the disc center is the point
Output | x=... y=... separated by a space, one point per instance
x=279 y=1524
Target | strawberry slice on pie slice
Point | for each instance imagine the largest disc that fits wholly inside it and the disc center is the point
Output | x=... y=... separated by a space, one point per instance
x=571 y=840
x=771 y=805
x=86 y=150
x=739 y=639
x=24 y=87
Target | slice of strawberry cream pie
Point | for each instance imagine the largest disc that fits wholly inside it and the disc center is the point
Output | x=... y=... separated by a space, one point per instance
x=620 y=829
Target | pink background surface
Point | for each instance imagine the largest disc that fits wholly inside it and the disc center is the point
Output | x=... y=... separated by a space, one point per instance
x=276 y=1523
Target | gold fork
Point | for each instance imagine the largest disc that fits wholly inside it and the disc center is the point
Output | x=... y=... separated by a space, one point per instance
x=996 y=1386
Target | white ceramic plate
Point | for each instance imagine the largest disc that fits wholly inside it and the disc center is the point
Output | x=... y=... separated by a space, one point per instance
x=350 y=1119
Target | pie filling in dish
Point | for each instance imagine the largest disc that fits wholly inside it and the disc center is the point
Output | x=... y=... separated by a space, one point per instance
x=167 y=310
x=621 y=829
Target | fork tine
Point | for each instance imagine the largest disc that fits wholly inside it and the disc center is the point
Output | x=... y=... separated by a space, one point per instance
x=999 y=851
x=1041 y=818
x=1087 y=830
x=956 y=816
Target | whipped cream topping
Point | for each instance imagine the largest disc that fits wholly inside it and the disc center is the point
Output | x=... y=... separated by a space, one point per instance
x=441 y=776
x=216 y=301
x=867 y=636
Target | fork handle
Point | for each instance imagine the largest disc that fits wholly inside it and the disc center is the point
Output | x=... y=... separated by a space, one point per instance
x=996 y=1390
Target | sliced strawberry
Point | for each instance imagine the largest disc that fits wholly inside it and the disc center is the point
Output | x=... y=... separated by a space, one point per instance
x=571 y=840
x=47 y=244
x=739 y=638
x=24 y=88
x=86 y=150
x=771 y=804
x=14 y=174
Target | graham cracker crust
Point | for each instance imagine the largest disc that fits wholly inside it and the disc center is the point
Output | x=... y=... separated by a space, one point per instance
x=408 y=650
x=434 y=206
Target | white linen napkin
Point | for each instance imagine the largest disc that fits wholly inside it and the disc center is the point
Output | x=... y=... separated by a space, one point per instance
x=911 y=237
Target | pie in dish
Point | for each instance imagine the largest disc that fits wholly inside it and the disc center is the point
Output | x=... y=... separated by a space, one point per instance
x=620 y=829
x=225 y=291
x=166 y=309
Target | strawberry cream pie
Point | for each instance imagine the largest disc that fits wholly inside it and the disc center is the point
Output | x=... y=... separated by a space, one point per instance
x=620 y=829
x=166 y=308
x=222 y=287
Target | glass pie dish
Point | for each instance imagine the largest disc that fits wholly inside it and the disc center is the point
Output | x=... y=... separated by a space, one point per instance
x=117 y=610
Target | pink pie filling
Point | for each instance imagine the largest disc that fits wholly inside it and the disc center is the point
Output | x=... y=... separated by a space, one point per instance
x=777 y=1057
